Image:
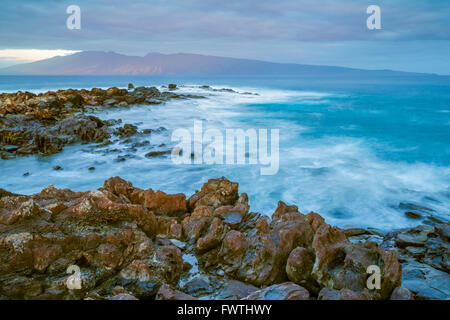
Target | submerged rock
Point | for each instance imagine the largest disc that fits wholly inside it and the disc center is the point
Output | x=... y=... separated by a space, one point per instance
x=157 y=153
x=126 y=131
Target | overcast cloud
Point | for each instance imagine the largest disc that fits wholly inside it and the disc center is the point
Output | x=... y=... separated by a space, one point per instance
x=415 y=35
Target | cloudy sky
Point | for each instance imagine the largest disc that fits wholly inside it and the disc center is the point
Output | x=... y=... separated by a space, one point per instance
x=415 y=34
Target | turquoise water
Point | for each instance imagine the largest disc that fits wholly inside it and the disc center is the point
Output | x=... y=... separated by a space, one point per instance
x=360 y=153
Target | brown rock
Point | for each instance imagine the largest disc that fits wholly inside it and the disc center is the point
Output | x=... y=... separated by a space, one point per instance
x=299 y=267
x=26 y=210
x=262 y=226
x=215 y=193
x=176 y=230
x=44 y=255
x=213 y=238
x=194 y=228
x=284 y=209
x=172 y=262
x=165 y=204
x=109 y=254
x=118 y=186
x=262 y=260
x=340 y=264
x=97 y=207
x=167 y=293
x=315 y=220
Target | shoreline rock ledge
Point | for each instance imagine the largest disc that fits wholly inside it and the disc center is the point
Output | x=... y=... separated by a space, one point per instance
x=130 y=243
x=45 y=123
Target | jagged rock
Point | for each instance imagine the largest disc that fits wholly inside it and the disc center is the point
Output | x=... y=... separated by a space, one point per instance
x=101 y=206
x=142 y=243
x=215 y=193
x=340 y=264
x=165 y=204
x=261 y=258
x=213 y=237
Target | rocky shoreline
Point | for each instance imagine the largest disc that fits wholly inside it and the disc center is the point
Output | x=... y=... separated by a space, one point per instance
x=131 y=243
x=44 y=123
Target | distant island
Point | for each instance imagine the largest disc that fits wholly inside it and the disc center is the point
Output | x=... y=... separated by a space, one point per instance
x=111 y=63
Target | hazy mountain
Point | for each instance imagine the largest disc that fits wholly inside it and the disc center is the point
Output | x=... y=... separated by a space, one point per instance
x=111 y=63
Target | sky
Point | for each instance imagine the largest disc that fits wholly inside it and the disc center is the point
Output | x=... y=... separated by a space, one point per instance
x=414 y=34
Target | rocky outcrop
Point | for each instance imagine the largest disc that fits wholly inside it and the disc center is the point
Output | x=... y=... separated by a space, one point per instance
x=31 y=136
x=130 y=243
x=45 y=123
x=61 y=103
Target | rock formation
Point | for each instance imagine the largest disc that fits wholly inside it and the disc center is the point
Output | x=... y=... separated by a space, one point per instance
x=45 y=123
x=130 y=243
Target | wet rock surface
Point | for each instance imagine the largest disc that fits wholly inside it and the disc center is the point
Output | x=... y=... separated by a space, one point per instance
x=130 y=243
x=424 y=252
x=44 y=123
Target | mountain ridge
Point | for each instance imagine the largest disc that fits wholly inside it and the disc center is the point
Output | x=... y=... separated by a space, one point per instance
x=112 y=63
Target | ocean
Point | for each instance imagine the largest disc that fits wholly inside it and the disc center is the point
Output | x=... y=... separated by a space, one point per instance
x=359 y=152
